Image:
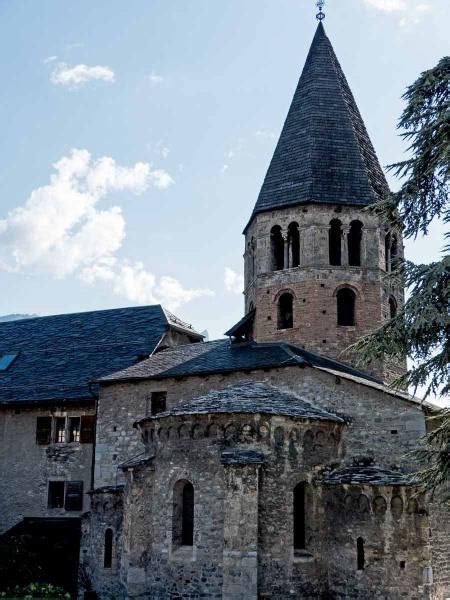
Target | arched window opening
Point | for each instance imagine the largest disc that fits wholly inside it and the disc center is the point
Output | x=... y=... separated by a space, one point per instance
x=346 y=307
x=360 y=560
x=183 y=514
x=285 y=311
x=108 y=549
x=392 y=307
x=354 y=243
x=294 y=245
x=299 y=517
x=334 y=242
x=394 y=253
x=277 y=243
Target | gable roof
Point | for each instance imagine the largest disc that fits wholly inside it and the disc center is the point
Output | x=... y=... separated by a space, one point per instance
x=324 y=153
x=59 y=355
x=250 y=397
x=221 y=356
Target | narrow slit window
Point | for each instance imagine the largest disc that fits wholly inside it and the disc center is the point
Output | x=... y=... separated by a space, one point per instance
x=334 y=242
x=360 y=559
x=183 y=514
x=346 y=299
x=354 y=243
x=108 y=550
x=299 y=517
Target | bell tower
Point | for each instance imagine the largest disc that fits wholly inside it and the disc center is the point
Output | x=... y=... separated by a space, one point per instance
x=314 y=255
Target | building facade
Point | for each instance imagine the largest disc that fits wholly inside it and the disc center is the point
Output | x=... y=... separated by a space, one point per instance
x=263 y=466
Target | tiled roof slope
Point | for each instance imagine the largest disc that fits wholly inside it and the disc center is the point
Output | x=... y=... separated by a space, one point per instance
x=368 y=475
x=59 y=355
x=324 y=153
x=221 y=356
x=252 y=397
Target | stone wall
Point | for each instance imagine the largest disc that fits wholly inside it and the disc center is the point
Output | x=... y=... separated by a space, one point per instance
x=314 y=282
x=26 y=467
x=243 y=516
x=381 y=425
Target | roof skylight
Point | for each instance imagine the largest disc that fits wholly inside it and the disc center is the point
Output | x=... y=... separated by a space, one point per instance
x=6 y=360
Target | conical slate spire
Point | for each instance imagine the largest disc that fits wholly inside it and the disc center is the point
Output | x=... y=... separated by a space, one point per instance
x=324 y=153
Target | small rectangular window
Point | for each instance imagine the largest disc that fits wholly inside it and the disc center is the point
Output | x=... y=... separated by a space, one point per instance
x=55 y=494
x=6 y=360
x=74 y=429
x=158 y=402
x=87 y=429
x=43 y=430
x=60 y=430
x=74 y=495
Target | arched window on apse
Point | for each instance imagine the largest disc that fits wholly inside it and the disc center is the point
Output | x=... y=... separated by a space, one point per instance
x=183 y=513
x=346 y=300
x=360 y=558
x=277 y=245
x=294 y=245
x=286 y=311
x=299 y=522
x=354 y=243
x=108 y=549
x=392 y=307
x=334 y=242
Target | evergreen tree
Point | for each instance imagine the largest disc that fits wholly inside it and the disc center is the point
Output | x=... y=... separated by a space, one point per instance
x=420 y=329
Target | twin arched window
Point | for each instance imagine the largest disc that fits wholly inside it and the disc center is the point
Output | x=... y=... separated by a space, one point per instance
x=346 y=301
x=183 y=514
x=285 y=252
x=354 y=239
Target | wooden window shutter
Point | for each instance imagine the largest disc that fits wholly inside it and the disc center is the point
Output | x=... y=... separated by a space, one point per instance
x=74 y=495
x=87 y=432
x=43 y=430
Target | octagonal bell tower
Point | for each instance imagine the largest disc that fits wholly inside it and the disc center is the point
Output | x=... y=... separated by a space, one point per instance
x=314 y=255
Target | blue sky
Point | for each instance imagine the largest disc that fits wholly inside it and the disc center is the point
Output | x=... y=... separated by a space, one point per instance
x=136 y=136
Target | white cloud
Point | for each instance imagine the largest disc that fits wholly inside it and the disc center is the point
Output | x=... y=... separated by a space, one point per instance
x=78 y=75
x=50 y=59
x=61 y=230
x=263 y=134
x=224 y=168
x=155 y=79
x=233 y=281
x=411 y=11
x=164 y=152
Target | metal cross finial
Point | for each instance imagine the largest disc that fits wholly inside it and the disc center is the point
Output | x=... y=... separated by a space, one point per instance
x=320 y=15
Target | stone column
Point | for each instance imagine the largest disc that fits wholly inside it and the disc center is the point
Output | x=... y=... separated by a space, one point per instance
x=286 y=251
x=344 y=246
x=240 y=553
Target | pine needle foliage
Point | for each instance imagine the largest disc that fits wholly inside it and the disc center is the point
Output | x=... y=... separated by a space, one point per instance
x=420 y=330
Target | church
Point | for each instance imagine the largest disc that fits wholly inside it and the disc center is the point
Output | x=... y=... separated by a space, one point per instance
x=265 y=464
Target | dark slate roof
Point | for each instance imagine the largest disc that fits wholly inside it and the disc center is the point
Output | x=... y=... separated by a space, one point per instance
x=251 y=397
x=367 y=475
x=59 y=355
x=242 y=327
x=242 y=456
x=324 y=153
x=221 y=356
